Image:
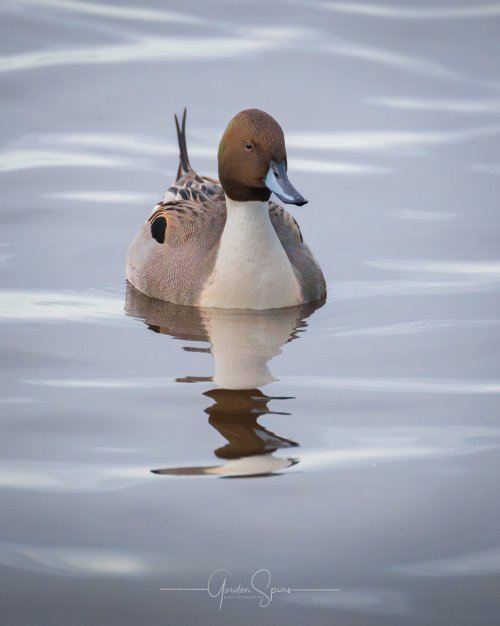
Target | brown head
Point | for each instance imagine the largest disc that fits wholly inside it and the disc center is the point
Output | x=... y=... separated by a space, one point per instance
x=252 y=159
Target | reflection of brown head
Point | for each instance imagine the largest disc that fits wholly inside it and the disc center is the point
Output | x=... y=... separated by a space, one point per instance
x=235 y=415
x=251 y=446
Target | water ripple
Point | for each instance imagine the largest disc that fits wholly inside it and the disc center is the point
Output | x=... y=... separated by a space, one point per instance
x=115 y=11
x=335 y=167
x=69 y=477
x=474 y=564
x=70 y=560
x=414 y=13
x=151 y=382
x=102 y=197
x=29 y=306
x=407 y=328
x=398 y=385
x=392 y=59
x=122 y=142
x=348 y=290
x=423 y=277
x=16 y=160
x=358 y=600
x=481 y=269
x=451 y=105
x=171 y=49
x=384 y=140
x=424 y=216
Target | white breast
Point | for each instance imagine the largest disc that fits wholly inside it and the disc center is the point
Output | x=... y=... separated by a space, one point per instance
x=252 y=270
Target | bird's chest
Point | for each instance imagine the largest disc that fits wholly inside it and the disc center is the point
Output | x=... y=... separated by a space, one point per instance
x=252 y=269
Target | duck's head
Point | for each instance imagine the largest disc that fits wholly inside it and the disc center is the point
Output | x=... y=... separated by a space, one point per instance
x=252 y=160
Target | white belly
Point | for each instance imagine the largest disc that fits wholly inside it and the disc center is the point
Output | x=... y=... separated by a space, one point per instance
x=252 y=270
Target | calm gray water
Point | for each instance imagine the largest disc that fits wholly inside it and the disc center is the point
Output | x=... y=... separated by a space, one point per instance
x=354 y=447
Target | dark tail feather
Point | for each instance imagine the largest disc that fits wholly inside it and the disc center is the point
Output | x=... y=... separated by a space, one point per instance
x=184 y=165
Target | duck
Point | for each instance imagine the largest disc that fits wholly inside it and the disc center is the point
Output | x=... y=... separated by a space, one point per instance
x=224 y=243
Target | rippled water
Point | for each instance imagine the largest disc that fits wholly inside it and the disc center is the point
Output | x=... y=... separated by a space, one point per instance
x=351 y=449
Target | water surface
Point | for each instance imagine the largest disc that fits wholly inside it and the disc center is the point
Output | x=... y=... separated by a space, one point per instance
x=351 y=447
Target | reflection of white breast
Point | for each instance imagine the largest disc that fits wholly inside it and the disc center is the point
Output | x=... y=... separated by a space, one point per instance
x=244 y=342
x=252 y=269
x=252 y=465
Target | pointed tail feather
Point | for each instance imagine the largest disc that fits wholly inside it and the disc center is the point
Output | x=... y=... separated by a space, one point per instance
x=184 y=165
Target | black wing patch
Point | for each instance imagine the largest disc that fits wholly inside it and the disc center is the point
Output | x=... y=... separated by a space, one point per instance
x=159 y=228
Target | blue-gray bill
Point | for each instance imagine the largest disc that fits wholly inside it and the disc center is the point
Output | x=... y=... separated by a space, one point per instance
x=277 y=181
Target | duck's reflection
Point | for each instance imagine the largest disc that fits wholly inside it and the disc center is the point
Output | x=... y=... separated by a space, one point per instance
x=250 y=447
x=242 y=344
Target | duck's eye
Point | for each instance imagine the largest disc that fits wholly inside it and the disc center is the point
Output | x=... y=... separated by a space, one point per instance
x=249 y=145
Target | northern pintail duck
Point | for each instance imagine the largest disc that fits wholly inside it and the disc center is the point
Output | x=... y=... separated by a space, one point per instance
x=225 y=244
